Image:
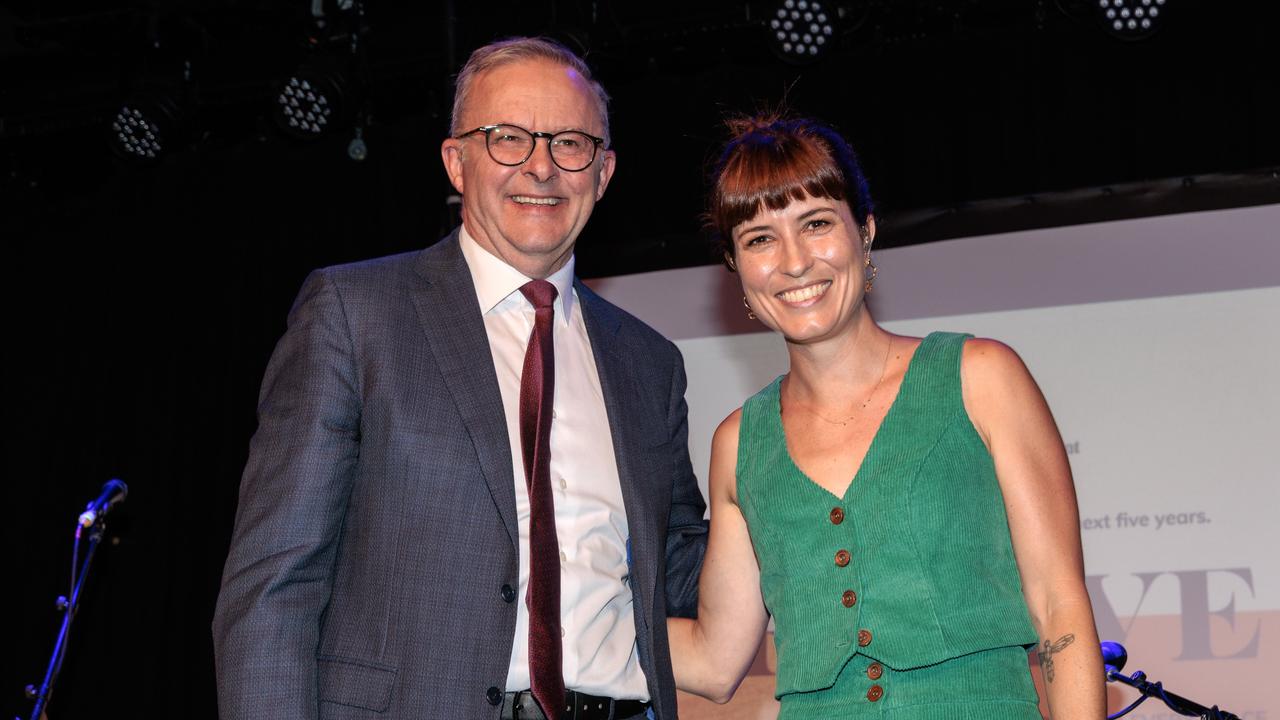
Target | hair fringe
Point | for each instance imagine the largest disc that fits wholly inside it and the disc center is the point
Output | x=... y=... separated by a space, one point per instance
x=773 y=158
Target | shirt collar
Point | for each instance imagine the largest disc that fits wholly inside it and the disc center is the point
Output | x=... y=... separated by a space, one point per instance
x=495 y=280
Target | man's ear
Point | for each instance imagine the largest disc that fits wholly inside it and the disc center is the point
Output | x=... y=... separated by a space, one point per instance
x=606 y=172
x=451 y=155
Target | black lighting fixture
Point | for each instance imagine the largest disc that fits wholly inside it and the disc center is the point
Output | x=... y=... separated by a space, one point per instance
x=158 y=92
x=309 y=102
x=145 y=127
x=155 y=118
x=325 y=91
x=802 y=31
x=1130 y=19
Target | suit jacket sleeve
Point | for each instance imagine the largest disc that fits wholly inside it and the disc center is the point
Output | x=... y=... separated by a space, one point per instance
x=293 y=497
x=686 y=528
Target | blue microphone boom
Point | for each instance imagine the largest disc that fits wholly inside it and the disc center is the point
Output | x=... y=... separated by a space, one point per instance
x=1114 y=656
x=114 y=491
x=94 y=519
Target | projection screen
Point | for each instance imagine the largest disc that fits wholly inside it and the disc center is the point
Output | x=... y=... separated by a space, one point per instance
x=1157 y=344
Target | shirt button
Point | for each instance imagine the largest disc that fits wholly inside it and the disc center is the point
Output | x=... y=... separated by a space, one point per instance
x=875 y=693
x=563 y=557
x=842 y=557
x=562 y=631
x=563 y=484
x=494 y=696
x=875 y=670
x=864 y=638
x=849 y=598
x=837 y=515
x=508 y=593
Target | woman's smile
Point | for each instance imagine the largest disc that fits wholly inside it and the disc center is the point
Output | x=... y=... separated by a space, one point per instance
x=806 y=295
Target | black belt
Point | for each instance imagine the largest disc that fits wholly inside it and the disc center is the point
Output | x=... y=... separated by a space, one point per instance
x=578 y=706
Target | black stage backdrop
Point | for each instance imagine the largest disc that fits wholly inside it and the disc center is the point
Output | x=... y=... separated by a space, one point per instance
x=144 y=321
x=145 y=301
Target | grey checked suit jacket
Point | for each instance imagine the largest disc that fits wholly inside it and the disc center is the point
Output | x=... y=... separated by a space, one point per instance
x=377 y=519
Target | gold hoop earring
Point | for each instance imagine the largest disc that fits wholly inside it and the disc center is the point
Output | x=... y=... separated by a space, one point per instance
x=750 y=313
x=869 y=268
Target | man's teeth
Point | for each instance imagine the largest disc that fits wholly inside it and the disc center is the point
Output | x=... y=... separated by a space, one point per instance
x=805 y=293
x=526 y=200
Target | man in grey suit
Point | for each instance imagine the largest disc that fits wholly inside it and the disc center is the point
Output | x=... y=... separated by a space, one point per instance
x=400 y=526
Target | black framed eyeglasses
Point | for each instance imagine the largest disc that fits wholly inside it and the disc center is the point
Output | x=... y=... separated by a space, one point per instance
x=511 y=145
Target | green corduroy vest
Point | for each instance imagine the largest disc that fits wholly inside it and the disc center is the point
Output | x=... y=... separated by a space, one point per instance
x=929 y=559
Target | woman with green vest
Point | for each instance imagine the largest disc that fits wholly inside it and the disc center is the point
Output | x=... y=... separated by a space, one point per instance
x=902 y=507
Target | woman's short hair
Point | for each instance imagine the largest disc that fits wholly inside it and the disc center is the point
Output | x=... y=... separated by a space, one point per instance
x=771 y=160
x=516 y=49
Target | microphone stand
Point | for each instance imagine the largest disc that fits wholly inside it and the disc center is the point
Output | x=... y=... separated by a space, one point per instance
x=68 y=608
x=1176 y=703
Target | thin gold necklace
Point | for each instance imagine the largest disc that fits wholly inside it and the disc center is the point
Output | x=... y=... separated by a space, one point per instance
x=884 y=367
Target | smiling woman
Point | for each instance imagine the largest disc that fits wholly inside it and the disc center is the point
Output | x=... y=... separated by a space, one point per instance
x=834 y=489
x=790 y=196
x=772 y=161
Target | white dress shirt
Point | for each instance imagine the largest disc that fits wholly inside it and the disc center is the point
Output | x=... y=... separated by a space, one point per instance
x=596 y=612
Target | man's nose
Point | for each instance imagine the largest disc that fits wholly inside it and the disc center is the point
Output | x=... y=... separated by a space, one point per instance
x=540 y=165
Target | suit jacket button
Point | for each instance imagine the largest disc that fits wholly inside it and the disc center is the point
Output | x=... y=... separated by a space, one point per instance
x=842 y=558
x=864 y=638
x=837 y=515
x=494 y=695
x=849 y=599
x=875 y=693
x=875 y=670
x=508 y=593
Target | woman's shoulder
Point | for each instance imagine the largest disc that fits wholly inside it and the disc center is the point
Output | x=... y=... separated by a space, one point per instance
x=727 y=431
x=996 y=384
x=986 y=360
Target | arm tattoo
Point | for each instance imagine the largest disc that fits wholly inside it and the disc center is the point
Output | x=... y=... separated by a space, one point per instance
x=1047 y=650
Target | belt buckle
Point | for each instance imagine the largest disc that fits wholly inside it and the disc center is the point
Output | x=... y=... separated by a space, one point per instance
x=578 y=706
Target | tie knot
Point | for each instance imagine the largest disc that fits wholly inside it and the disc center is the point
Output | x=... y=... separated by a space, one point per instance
x=540 y=293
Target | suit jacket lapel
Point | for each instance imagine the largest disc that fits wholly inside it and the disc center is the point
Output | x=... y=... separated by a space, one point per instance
x=622 y=395
x=450 y=314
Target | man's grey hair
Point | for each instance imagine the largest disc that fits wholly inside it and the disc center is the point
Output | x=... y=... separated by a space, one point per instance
x=503 y=52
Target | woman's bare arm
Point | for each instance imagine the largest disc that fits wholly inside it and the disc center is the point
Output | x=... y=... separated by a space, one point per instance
x=711 y=655
x=1010 y=413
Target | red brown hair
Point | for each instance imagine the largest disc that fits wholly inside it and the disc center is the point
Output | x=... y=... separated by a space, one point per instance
x=770 y=161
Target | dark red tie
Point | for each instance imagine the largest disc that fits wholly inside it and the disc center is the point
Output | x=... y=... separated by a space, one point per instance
x=537 y=392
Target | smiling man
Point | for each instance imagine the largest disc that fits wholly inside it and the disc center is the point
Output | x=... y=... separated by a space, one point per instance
x=470 y=493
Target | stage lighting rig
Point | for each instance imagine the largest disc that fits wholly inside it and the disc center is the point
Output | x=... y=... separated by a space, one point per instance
x=802 y=31
x=1130 y=19
x=326 y=90
x=308 y=102
x=144 y=127
x=159 y=90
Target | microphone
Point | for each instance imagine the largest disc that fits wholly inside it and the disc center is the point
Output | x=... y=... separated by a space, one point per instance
x=1114 y=656
x=114 y=491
